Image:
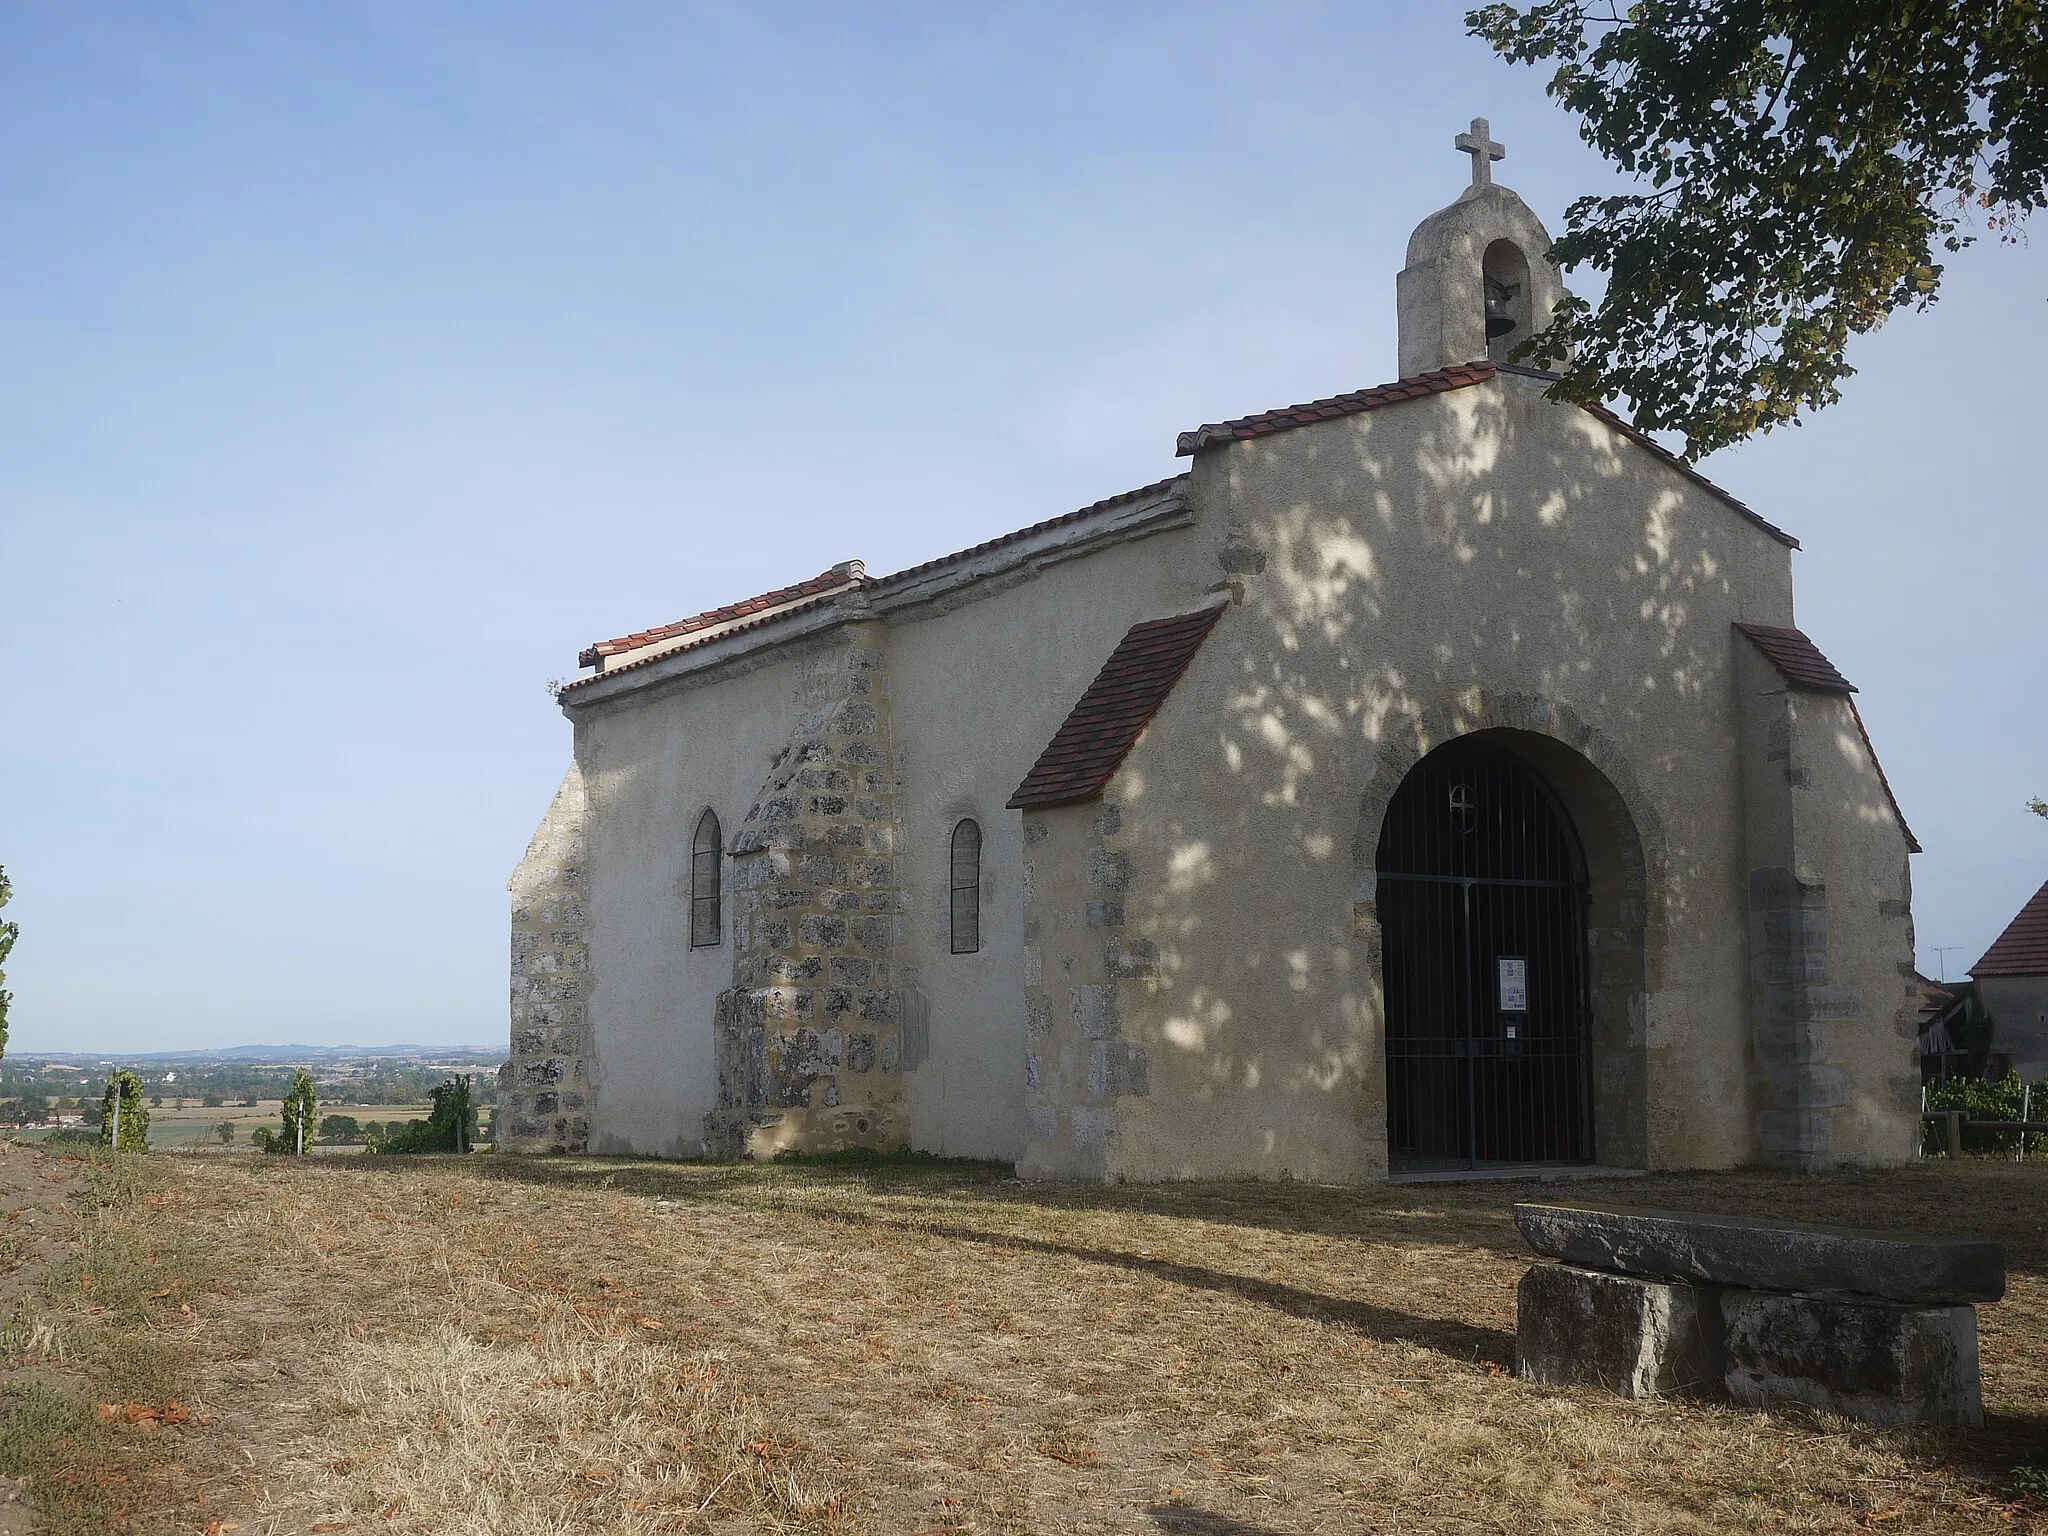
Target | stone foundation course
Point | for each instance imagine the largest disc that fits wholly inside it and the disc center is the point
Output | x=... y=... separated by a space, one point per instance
x=1874 y=1326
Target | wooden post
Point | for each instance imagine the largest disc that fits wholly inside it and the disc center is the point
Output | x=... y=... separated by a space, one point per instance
x=1955 y=1132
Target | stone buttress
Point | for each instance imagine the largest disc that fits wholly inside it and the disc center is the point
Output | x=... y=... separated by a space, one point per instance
x=1081 y=969
x=543 y=1089
x=1833 y=1013
x=810 y=1035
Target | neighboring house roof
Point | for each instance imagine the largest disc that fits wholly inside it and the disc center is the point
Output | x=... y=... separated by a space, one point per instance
x=1800 y=662
x=1099 y=732
x=1797 y=658
x=1437 y=382
x=2022 y=950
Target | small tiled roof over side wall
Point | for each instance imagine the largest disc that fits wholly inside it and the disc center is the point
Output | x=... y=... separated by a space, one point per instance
x=1800 y=662
x=1092 y=742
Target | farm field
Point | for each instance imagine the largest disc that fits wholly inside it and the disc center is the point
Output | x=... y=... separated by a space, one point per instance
x=193 y=1128
x=497 y=1345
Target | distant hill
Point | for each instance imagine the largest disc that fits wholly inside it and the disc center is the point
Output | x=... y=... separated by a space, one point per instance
x=280 y=1053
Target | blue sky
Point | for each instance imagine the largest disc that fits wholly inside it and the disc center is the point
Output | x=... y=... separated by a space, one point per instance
x=361 y=362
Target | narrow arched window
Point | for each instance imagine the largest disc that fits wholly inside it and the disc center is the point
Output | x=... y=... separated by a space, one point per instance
x=704 y=857
x=966 y=888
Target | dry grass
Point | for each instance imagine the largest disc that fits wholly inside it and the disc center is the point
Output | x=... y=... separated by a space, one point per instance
x=584 y=1345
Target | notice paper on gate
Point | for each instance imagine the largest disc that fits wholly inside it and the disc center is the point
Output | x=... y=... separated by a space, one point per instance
x=1514 y=983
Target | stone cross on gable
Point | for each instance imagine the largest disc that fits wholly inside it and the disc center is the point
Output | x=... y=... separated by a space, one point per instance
x=1480 y=146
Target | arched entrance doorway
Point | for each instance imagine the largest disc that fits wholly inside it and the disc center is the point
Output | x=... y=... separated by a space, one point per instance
x=1482 y=898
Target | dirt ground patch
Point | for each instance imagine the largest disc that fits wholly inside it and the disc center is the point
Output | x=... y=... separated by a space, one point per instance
x=568 y=1345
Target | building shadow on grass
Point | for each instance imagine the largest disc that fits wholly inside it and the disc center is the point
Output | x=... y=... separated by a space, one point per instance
x=1393 y=1214
x=1977 y=1199
x=1185 y=1520
x=1462 y=1341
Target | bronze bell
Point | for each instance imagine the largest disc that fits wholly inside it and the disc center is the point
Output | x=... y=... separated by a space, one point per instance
x=1498 y=321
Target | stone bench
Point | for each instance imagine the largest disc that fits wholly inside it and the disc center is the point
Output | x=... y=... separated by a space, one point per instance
x=1871 y=1325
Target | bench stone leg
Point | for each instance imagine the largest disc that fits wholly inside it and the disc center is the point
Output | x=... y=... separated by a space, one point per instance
x=1883 y=1364
x=1640 y=1338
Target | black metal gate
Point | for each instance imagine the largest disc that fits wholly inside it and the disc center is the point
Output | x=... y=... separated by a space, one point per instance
x=1482 y=909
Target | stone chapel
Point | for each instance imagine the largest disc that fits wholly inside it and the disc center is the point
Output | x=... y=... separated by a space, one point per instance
x=1425 y=779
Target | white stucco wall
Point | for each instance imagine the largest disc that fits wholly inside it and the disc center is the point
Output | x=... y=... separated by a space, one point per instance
x=979 y=690
x=1481 y=558
x=651 y=768
x=1478 y=559
x=980 y=678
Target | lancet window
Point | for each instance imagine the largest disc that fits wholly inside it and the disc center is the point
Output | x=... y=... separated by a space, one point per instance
x=705 y=854
x=966 y=888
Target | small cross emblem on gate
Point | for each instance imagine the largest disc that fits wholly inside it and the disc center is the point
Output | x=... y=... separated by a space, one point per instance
x=1461 y=807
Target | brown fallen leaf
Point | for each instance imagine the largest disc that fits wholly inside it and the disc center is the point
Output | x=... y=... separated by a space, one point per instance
x=648 y=1322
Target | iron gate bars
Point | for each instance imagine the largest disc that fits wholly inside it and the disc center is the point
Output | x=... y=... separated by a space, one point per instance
x=1482 y=908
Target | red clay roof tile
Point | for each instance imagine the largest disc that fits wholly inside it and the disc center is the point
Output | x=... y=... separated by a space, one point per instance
x=1797 y=658
x=1098 y=733
x=1800 y=662
x=1438 y=382
x=1268 y=422
x=846 y=575
x=1024 y=533
x=2022 y=950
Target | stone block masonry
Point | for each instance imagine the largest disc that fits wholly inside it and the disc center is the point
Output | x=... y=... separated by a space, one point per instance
x=1870 y=1326
x=1876 y=1362
x=809 y=1037
x=544 y=1087
x=1717 y=1249
x=1635 y=1337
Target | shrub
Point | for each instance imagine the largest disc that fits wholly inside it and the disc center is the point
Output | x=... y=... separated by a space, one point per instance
x=340 y=1128
x=296 y=1134
x=134 y=1115
x=449 y=1127
x=1982 y=1099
